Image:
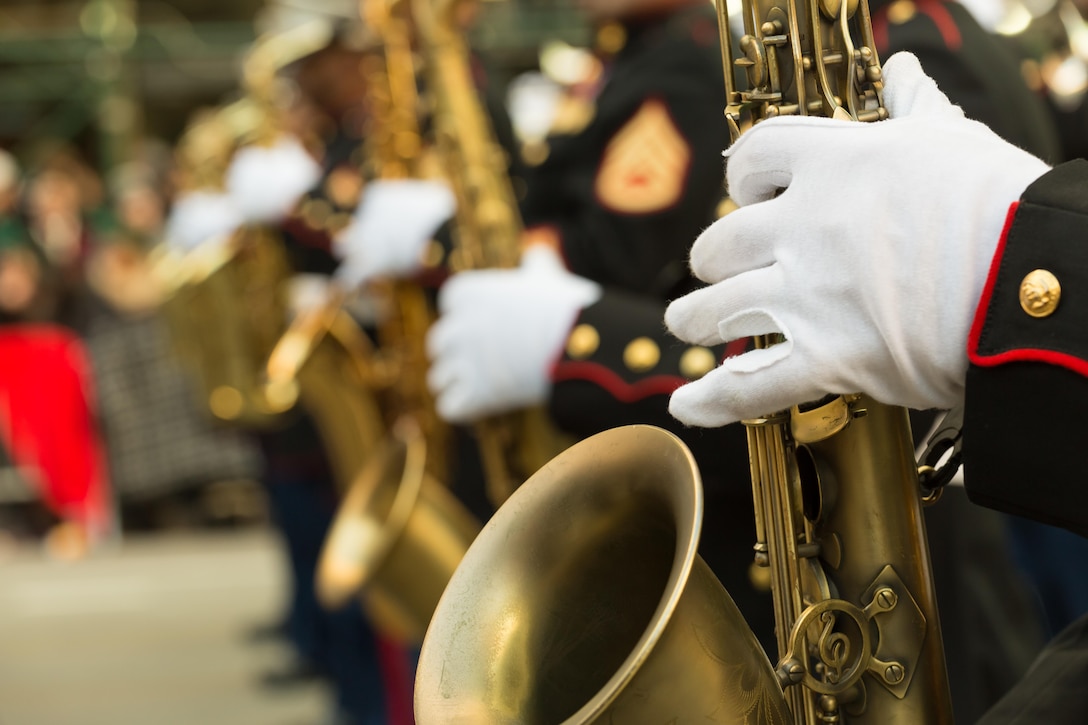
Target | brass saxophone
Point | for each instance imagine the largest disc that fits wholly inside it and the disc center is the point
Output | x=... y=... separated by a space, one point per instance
x=399 y=532
x=226 y=303
x=598 y=610
x=487 y=232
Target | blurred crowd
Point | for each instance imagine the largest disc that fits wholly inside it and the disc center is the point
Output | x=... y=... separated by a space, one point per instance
x=76 y=267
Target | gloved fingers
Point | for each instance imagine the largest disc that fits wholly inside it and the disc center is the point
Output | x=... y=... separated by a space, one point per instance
x=725 y=396
x=738 y=242
x=696 y=317
x=442 y=374
x=908 y=91
x=473 y=288
x=541 y=258
x=762 y=163
x=457 y=404
x=446 y=335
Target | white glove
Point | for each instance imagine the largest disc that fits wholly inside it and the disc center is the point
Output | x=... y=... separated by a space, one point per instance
x=266 y=182
x=200 y=216
x=391 y=228
x=499 y=332
x=871 y=261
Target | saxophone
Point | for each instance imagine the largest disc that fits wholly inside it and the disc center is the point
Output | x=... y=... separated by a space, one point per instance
x=226 y=303
x=487 y=232
x=598 y=609
x=399 y=532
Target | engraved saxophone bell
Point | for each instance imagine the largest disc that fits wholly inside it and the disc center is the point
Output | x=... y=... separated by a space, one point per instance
x=398 y=537
x=584 y=601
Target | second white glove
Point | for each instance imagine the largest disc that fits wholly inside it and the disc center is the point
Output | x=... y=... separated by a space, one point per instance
x=865 y=245
x=266 y=182
x=499 y=333
x=391 y=229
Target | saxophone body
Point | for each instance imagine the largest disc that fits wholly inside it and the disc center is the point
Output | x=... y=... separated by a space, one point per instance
x=835 y=483
x=487 y=230
x=399 y=532
x=226 y=302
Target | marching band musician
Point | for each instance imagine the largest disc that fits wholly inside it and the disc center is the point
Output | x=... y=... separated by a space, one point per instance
x=281 y=185
x=630 y=171
x=992 y=265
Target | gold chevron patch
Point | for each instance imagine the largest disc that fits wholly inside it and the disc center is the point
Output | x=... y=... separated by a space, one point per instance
x=645 y=163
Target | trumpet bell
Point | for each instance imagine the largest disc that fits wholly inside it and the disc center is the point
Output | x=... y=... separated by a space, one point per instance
x=396 y=540
x=583 y=601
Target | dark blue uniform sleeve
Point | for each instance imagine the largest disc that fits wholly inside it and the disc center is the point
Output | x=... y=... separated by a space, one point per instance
x=1027 y=387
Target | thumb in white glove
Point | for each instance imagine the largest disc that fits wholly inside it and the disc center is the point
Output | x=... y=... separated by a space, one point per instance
x=391 y=229
x=865 y=244
x=266 y=182
x=201 y=216
x=499 y=333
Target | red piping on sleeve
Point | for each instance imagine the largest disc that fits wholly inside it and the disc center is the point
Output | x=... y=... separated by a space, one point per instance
x=1051 y=357
x=615 y=385
x=946 y=25
x=988 y=288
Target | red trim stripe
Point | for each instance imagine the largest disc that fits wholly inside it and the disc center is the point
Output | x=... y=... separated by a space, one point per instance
x=944 y=21
x=988 y=289
x=1050 y=357
x=619 y=388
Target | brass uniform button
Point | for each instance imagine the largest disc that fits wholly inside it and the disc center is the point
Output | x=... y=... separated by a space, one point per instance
x=433 y=254
x=696 y=362
x=583 y=341
x=901 y=11
x=641 y=354
x=611 y=37
x=726 y=206
x=226 y=402
x=1040 y=293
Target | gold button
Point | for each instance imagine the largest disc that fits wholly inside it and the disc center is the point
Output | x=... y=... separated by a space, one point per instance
x=1040 y=293
x=226 y=402
x=726 y=206
x=696 y=362
x=583 y=341
x=641 y=354
x=433 y=254
x=901 y=11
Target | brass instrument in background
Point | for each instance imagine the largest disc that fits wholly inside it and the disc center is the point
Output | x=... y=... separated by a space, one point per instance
x=487 y=232
x=583 y=600
x=399 y=533
x=226 y=302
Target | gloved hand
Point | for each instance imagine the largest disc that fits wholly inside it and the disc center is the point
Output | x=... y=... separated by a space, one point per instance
x=266 y=182
x=201 y=216
x=499 y=332
x=866 y=245
x=391 y=229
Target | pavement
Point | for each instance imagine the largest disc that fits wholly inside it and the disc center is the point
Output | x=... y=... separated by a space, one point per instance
x=151 y=631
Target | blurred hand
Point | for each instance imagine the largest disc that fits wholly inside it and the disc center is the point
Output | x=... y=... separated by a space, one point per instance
x=201 y=216
x=499 y=333
x=266 y=182
x=865 y=245
x=391 y=229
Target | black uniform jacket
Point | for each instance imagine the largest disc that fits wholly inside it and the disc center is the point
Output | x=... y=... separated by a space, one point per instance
x=1027 y=388
x=1025 y=434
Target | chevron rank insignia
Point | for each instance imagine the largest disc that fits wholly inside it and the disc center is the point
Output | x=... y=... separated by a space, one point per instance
x=645 y=163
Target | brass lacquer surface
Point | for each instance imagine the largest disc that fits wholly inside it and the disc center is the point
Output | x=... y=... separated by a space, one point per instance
x=398 y=533
x=487 y=232
x=835 y=483
x=397 y=537
x=226 y=309
x=583 y=601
